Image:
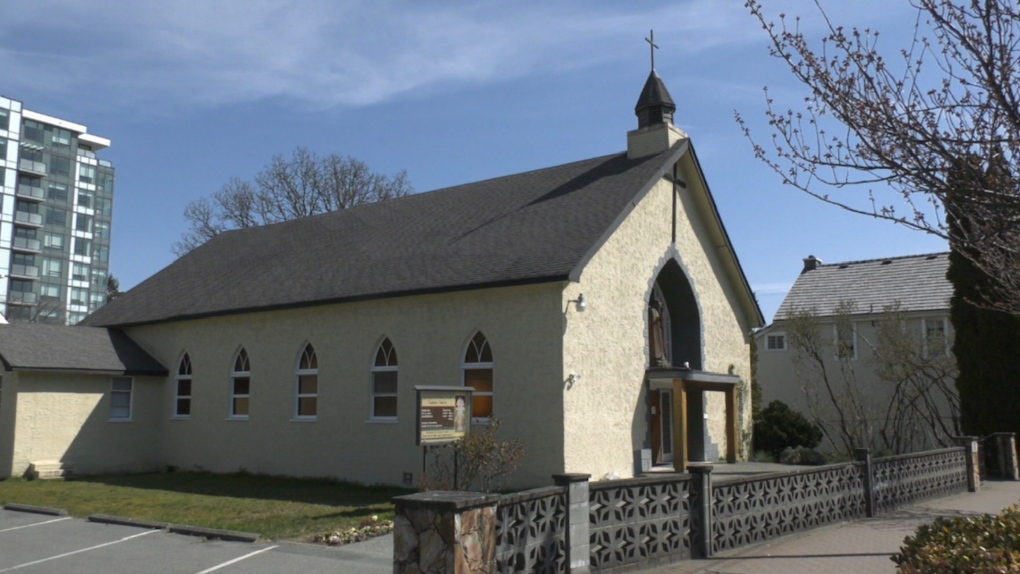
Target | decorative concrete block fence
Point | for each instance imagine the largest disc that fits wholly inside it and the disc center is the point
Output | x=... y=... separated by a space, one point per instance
x=608 y=526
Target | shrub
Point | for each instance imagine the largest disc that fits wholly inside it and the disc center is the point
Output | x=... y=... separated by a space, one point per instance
x=966 y=545
x=778 y=427
x=483 y=462
x=802 y=455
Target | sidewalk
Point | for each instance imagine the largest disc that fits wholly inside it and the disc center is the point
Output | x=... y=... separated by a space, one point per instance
x=862 y=547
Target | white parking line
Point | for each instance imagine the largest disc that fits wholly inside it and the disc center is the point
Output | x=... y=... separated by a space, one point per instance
x=66 y=554
x=229 y=562
x=35 y=524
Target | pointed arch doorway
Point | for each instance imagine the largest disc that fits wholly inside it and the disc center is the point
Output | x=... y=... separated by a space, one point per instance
x=678 y=420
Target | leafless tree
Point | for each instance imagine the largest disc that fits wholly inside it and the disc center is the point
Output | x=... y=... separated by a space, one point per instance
x=912 y=402
x=882 y=130
x=288 y=188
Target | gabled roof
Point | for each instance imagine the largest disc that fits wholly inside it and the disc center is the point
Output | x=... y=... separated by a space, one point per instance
x=915 y=282
x=534 y=227
x=39 y=347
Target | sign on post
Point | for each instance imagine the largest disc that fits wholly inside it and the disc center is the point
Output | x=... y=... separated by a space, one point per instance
x=444 y=414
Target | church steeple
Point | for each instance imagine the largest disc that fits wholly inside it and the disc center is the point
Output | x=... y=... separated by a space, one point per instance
x=654 y=110
x=654 y=106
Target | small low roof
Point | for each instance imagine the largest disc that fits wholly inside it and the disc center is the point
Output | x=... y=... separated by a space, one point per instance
x=915 y=282
x=39 y=347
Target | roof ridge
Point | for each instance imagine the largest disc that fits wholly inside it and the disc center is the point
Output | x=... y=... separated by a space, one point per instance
x=368 y=205
x=879 y=259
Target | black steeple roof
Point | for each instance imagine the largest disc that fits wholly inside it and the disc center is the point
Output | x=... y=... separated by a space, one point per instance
x=654 y=106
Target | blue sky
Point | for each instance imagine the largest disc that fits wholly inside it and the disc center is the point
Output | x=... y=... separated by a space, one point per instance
x=194 y=92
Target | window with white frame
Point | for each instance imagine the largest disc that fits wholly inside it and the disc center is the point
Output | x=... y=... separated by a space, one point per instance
x=240 y=386
x=120 y=399
x=933 y=330
x=306 y=386
x=775 y=342
x=384 y=382
x=846 y=340
x=477 y=373
x=182 y=398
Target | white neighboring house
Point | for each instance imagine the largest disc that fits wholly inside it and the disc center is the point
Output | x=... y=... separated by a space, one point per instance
x=917 y=290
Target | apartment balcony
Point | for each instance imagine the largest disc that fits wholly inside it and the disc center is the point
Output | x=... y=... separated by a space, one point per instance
x=87 y=153
x=32 y=167
x=31 y=192
x=26 y=218
x=24 y=271
x=22 y=298
x=27 y=244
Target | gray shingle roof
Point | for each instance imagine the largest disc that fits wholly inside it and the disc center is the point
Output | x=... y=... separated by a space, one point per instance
x=33 y=346
x=531 y=227
x=916 y=282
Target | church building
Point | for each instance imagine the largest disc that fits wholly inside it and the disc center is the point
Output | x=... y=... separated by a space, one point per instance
x=596 y=308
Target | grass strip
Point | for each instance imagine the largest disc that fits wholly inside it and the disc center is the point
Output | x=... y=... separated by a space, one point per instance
x=278 y=508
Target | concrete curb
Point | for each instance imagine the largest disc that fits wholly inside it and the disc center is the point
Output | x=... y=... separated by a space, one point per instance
x=122 y=521
x=228 y=535
x=35 y=509
x=211 y=533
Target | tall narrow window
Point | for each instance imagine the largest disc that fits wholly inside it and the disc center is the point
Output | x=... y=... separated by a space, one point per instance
x=240 y=386
x=306 y=388
x=120 y=399
x=935 y=342
x=384 y=382
x=182 y=400
x=846 y=340
x=477 y=372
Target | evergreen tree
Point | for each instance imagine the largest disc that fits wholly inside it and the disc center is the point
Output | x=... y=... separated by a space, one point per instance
x=987 y=342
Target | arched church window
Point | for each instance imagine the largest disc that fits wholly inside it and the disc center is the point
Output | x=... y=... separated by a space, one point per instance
x=182 y=397
x=240 y=386
x=477 y=373
x=306 y=387
x=384 y=382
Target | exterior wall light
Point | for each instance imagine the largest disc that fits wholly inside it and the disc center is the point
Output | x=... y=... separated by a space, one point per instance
x=581 y=303
x=571 y=379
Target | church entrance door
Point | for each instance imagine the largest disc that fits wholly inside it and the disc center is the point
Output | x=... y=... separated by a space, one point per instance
x=666 y=425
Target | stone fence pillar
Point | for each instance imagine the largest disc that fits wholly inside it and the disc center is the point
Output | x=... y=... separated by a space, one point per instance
x=703 y=512
x=578 y=539
x=973 y=461
x=864 y=455
x=445 y=533
x=1006 y=447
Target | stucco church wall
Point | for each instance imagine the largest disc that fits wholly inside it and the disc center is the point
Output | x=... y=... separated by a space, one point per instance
x=605 y=411
x=429 y=332
x=66 y=418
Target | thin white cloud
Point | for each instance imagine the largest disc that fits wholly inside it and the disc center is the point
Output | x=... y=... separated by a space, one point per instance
x=325 y=53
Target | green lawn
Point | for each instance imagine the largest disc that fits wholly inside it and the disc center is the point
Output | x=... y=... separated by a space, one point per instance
x=274 y=507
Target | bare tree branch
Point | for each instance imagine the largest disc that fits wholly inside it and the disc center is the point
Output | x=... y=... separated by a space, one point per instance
x=882 y=129
x=304 y=185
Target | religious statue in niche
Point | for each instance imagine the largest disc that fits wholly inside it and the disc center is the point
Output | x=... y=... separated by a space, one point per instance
x=656 y=335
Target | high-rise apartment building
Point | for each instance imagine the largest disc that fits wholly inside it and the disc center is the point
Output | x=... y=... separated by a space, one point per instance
x=56 y=202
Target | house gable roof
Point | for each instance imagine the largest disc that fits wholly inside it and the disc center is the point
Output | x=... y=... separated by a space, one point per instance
x=39 y=347
x=534 y=227
x=915 y=282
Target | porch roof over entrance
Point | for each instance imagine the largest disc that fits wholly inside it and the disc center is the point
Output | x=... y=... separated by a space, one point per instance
x=695 y=380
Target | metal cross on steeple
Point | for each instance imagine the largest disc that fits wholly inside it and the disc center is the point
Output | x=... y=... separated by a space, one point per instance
x=652 y=46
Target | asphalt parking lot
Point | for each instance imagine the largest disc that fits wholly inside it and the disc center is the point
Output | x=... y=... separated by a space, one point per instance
x=31 y=542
